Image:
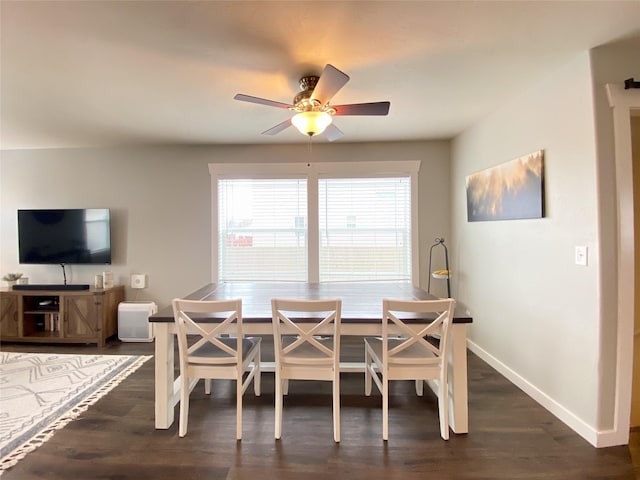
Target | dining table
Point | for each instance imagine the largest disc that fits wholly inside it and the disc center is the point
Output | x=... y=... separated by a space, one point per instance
x=361 y=316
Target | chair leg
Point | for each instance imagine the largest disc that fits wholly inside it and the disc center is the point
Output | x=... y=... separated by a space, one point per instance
x=443 y=409
x=367 y=371
x=385 y=408
x=278 y=421
x=257 y=379
x=336 y=406
x=184 y=406
x=207 y=386
x=285 y=386
x=419 y=387
x=239 y=408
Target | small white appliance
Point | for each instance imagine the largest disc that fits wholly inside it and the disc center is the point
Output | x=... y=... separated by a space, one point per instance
x=133 y=321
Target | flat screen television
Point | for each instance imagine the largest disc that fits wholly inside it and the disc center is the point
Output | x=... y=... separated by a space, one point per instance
x=68 y=236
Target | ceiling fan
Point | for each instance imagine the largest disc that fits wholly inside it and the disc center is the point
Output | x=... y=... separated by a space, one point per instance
x=314 y=115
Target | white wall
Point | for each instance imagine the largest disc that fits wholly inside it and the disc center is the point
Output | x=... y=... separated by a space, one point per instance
x=161 y=203
x=536 y=313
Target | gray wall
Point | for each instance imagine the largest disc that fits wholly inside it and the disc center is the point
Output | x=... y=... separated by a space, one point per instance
x=161 y=203
x=536 y=313
x=546 y=323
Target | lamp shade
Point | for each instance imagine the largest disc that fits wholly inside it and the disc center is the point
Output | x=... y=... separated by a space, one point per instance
x=311 y=123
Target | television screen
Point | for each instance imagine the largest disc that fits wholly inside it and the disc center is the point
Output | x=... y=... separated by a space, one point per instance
x=74 y=236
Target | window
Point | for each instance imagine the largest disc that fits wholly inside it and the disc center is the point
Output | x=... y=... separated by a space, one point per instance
x=322 y=222
x=261 y=229
x=365 y=228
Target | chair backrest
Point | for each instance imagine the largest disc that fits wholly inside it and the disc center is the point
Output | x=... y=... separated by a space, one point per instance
x=422 y=326
x=308 y=320
x=205 y=322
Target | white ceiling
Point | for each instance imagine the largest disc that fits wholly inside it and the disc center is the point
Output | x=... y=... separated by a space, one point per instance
x=96 y=73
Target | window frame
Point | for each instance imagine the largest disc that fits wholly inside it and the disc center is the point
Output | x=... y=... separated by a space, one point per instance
x=313 y=172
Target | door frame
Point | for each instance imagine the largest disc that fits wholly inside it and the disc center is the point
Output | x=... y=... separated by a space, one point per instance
x=622 y=102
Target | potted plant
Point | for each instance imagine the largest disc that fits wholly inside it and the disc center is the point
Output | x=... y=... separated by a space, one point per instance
x=12 y=278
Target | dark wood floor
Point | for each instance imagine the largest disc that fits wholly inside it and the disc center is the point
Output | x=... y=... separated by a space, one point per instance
x=511 y=437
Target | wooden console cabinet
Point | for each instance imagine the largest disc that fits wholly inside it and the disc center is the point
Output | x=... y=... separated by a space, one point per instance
x=59 y=316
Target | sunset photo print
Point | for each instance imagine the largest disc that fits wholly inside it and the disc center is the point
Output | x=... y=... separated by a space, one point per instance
x=512 y=190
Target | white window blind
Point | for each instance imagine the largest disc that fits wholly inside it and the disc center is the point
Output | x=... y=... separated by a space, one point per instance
x=328 y=221
x=365 y=228
x=262 y=229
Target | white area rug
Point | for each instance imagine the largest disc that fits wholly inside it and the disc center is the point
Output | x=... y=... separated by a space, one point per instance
x=41 y=393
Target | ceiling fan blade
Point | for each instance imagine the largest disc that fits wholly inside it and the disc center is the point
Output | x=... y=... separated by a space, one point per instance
x=278 y=128
x=332 y=132
x=373 y=108
x=331 y=80
x=261 y=101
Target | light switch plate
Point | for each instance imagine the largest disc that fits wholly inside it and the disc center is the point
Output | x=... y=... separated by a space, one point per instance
x=582 y=254
x=138 y=280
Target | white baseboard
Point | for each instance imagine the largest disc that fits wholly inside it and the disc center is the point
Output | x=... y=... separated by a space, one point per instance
x=605 y=438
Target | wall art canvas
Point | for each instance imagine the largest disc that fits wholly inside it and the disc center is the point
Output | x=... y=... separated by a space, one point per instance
x=513 y=190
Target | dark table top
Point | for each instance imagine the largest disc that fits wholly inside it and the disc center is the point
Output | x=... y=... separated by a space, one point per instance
x=361 y=301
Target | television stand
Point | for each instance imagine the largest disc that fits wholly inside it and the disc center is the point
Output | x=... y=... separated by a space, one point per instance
x=40 y=314
x=53 y=286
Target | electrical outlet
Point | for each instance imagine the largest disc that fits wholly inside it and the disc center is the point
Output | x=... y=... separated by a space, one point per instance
x=138 y=280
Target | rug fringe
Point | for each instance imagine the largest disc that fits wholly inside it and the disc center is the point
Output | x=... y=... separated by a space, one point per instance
x=43 y=436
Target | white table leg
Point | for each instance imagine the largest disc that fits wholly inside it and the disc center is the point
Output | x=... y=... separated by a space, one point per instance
x=458 y=398
x=164 y=375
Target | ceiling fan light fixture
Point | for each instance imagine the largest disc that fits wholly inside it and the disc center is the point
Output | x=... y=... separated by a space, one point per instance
x=312 y=113
x=311 y=123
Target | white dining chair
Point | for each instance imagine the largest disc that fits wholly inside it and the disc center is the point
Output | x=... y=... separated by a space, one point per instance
x=306 y=336
x=211 y=345
x=411 y=348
